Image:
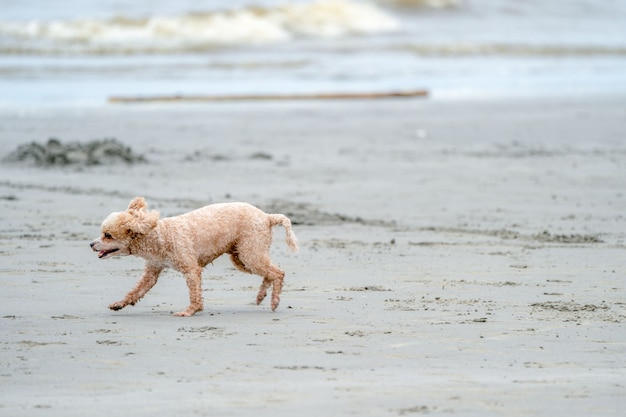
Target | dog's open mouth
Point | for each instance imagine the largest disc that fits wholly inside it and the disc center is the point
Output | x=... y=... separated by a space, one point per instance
x=104 y=253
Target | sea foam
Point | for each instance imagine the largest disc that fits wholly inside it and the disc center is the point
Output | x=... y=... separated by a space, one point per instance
x=196 y=31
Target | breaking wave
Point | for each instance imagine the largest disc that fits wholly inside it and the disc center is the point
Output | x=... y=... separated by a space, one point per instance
x=195 y=31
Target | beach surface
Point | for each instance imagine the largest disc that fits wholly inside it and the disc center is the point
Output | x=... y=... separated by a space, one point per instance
x=457 y=258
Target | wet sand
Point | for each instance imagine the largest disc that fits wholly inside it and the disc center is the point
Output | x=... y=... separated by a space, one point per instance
x=456 y=258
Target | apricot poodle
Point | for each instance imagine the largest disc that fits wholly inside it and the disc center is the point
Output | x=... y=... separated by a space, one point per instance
x=190 y=241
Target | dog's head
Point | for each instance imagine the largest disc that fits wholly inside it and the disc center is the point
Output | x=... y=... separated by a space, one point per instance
x=120 y=229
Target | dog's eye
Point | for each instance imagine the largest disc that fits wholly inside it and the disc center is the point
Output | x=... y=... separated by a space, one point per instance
x=108 y=236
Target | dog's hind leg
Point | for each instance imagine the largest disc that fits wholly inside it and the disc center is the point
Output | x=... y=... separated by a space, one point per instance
x=265 y=284
x=254 y=255
x=277 y=285
x=234 y=257
x=274 y=277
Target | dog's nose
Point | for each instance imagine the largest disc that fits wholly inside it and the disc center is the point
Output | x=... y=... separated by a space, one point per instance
x=91 y=244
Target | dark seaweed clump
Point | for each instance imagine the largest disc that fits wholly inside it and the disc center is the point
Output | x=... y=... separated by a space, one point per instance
x=55 y=153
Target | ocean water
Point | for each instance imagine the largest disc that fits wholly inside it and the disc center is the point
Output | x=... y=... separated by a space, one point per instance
x=82 y=53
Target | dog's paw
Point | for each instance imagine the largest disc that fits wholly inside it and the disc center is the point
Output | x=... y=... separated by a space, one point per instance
x=188 y=313
x=275 y=302
x=117 y=306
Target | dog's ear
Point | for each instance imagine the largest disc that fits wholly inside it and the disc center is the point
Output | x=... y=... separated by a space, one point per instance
x=137 y=204
x=144 y=221
x=139 y=222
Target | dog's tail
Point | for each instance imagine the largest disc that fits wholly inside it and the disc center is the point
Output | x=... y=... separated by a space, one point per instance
x=292 y=241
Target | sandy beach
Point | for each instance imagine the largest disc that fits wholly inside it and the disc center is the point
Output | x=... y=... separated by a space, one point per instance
x=457 y=258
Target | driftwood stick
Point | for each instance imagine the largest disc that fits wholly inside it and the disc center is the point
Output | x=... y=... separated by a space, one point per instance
x=259 y=97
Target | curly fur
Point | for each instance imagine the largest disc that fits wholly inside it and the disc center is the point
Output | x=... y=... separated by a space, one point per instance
x=190 y=241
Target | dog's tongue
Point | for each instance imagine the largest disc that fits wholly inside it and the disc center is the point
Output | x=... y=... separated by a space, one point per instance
x=102 y=253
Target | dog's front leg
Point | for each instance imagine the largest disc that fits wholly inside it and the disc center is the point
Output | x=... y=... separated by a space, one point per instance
x=147 y=281
x=193 y=276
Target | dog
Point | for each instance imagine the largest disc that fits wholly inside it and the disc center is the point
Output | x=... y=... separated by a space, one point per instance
x=188 y=242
